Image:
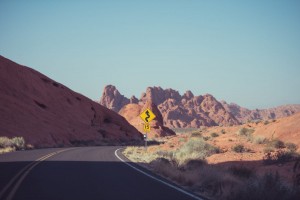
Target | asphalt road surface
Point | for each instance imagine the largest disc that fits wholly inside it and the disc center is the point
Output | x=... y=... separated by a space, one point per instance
x=83 y=173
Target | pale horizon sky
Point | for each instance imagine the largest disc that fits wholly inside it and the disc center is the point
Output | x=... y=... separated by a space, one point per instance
x=246 y=52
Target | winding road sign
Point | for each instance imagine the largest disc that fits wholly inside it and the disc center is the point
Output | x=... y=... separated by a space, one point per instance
x=147 y=116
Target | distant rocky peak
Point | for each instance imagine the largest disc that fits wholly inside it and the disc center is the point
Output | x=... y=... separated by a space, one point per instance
x=112 y=99
x=133 y=99
x=158 y=95
x=188 y=94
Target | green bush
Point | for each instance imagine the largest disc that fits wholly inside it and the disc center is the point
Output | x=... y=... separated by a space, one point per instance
x=214 y=134
x=239 y=148
x=194 y=149
x=199 y=145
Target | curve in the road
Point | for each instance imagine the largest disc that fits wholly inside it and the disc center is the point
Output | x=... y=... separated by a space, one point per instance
x=157 y=179
x=82 y=173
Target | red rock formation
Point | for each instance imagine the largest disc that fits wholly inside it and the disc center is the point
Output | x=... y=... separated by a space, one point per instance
x=112 y=99
x=245 y=115
x=187 y=110
x=47 y=113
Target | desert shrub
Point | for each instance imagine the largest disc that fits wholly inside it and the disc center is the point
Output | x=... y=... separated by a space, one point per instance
x=196 y=134
x=277 y=144
x=246 y=132
x=269 y=149
x=165 y=154
x=268 y=187
x=239 y=148
x=195 y=148
x=214 y=134
x=260 y=140
x=266 y=122
x=18 y=142
x=230 y=140
x=206 y=138
x=8 y=145
x=291 y=146
x=279 y=157
x=223 y=131
x=241 y=172
x=5 y=142
x=6 y=150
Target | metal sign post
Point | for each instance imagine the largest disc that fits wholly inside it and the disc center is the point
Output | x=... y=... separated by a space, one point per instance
x=147 y=116
x=146 y=130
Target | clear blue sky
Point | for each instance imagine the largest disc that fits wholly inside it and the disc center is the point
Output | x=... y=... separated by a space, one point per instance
x=247 y=52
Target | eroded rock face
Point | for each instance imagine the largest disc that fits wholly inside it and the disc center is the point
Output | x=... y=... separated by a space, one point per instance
x=48 y=114
x=186 y=111
x=245 y=115
x=112 y=99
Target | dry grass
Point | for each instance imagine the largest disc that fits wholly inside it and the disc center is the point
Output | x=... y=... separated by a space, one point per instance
x=210 y=165
x=7 y=150
x=13 y=144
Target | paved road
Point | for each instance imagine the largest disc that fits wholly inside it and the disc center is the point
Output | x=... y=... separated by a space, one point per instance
x=78 y=173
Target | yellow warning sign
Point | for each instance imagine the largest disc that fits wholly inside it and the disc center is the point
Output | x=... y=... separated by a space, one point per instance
x=147 y=128
x=147 y=116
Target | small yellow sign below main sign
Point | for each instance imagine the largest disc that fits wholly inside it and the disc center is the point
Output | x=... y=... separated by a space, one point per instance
x=147 y=128
x=147 y=116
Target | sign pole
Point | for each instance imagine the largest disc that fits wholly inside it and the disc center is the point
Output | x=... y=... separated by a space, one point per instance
x=147 y=116
x=146 y=141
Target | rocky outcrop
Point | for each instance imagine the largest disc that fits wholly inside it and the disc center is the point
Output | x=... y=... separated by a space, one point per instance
x=186 y=111
x=245 y=115
x=48 y=114
x=112 y=99
x=131 y=112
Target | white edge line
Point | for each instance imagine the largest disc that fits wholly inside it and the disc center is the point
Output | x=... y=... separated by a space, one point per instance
x=159 y=180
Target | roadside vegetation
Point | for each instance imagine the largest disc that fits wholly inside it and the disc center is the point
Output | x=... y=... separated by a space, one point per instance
x=186 y=160
x=11 y=144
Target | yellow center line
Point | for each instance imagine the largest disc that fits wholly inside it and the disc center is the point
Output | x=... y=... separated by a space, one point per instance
x=24 y=172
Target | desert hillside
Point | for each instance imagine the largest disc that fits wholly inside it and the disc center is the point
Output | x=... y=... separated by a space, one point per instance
x=228 y=162
x=47 y=113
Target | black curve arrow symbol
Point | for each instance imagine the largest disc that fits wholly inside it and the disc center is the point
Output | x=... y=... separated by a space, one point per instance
x=148 y=115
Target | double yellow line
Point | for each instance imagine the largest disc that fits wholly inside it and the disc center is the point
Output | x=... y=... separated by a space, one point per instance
x=20 y=176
